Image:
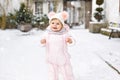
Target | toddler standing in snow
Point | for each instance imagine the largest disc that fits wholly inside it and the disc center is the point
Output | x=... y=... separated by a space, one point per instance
x=56 y=40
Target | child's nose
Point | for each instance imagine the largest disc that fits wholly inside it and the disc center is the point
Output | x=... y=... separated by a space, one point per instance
x=55 y=24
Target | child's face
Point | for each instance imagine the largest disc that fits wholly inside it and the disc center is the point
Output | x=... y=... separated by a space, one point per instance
x=55 y=25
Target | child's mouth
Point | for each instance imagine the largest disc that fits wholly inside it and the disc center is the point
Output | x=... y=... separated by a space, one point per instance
x=54 y=28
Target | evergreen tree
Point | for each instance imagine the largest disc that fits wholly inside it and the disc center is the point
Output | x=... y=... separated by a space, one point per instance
x=23 y=15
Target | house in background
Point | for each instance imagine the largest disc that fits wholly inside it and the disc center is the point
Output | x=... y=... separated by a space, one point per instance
x=80 y=11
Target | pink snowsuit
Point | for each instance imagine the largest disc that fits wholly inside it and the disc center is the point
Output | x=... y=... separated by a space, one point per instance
x=57 y=55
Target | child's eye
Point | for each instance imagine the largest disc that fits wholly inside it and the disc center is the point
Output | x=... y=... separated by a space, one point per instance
x=57 y=23
x=52 y=22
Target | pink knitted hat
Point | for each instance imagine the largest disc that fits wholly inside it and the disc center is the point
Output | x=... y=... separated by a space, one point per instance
x=62 y=16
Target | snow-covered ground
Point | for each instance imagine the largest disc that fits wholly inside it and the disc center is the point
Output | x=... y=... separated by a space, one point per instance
x=23 y=58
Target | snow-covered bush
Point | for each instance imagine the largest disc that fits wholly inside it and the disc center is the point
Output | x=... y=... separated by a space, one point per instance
x=40 y=22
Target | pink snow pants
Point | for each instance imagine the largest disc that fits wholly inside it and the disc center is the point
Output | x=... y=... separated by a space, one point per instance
x=65 y=70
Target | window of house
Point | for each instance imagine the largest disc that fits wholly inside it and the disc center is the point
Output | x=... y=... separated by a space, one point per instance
x=51 y=6
x=38 y=8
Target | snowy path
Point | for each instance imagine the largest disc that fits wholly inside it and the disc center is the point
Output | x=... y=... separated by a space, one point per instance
x=22 y=57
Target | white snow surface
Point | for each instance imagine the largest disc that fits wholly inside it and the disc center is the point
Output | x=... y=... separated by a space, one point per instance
x=23 y=58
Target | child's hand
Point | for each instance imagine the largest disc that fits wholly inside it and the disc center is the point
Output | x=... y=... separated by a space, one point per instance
x=43 y=41
x=69 y=40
